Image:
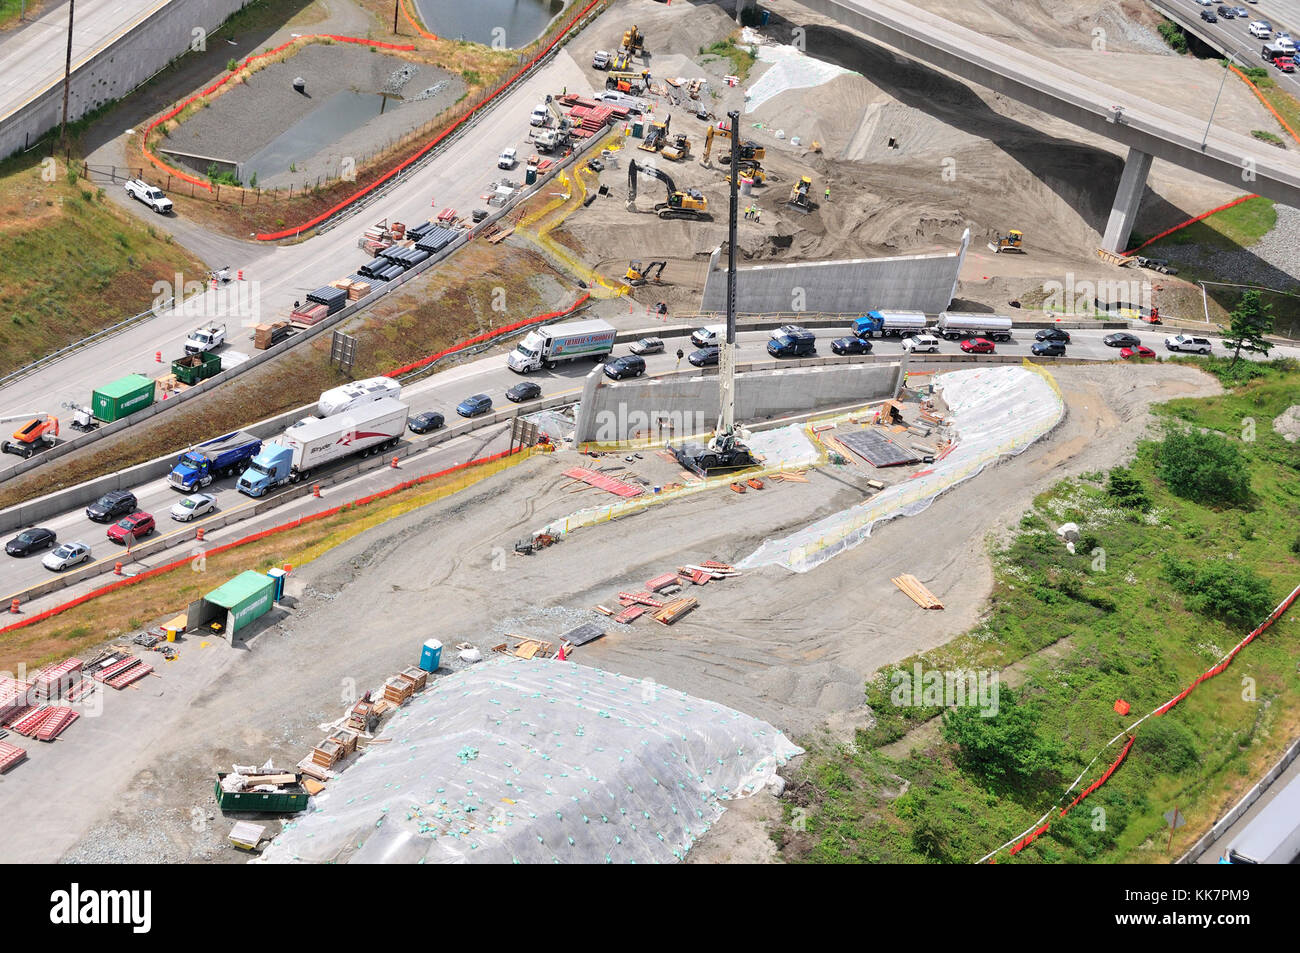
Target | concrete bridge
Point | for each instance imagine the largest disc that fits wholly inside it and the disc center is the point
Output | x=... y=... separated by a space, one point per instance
x=1148 y=129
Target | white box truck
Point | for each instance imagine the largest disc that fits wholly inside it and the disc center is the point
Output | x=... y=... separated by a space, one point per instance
x=314 y=442
x=552 y=343
x=336 y=400
x=958 y=324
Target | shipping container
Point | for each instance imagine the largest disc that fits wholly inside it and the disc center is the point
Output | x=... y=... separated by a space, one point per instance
x=122 y=398
x=292 y=799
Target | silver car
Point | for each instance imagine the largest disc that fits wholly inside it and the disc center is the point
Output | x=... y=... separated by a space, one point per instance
x=193 y=506
x=66 y=556
x=647 y=346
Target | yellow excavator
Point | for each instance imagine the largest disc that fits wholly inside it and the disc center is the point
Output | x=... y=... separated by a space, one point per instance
x=801 y=196
x=1013 y=240
x=637 y=275
x=751 y=169
x=633 y=40
x=748 y=149
x=689 y=203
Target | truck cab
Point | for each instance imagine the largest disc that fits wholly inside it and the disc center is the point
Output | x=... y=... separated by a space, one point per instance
x=269 y=468
x=796 y=343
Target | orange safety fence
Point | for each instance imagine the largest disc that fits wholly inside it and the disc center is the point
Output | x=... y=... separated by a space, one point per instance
x=414 y=25
x=254 y=537
x=431 y=144
x=1267 y=104
x=148 y=153
x=488 y=336
x=1190 y=221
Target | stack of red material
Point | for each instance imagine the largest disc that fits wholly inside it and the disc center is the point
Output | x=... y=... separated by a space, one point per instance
x=13 y=698
x=53 y=681
x=618 y=112
x=57 y=719
x=123 y=672
x=639 y=598
x=666 y=581
x=31 y=722
x=603 y=482
x=310 y=314
x=10 y=755
x=631 y=612
x=590 y=120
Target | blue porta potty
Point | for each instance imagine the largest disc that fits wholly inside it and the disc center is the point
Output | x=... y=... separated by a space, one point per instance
x=431 y=655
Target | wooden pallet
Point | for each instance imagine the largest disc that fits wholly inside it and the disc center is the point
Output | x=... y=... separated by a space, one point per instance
x=674 y=610
x=917 y=591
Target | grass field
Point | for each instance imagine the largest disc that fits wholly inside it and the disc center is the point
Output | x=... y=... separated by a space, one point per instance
x=1083 y=631
x=1238 y=227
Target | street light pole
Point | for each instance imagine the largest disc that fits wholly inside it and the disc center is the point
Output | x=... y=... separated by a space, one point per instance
x=67 y=76
x=396 y=4
x=1205 y=138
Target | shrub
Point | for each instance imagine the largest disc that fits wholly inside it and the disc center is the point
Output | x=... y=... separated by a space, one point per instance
x=1168 y=744
x=1220 y=588
x=232 y=64
x=1127 y=490
x=1005 y=748
x=1174 y=36
x=1204 y=467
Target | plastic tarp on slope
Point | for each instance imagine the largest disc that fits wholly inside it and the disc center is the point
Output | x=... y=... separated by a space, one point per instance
x=995 y=411
x=538 y=762
x=791 y=69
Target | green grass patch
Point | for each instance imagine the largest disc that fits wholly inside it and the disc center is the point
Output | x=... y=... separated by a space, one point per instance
x=1264 y=136
x=1159 y=587
x=1238 y=227
x=1174 y=36
x=742 y=57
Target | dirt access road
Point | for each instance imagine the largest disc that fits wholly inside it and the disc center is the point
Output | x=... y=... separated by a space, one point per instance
x=793 y=649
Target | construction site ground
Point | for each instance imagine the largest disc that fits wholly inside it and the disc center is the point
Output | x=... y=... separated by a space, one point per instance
x=793 y=649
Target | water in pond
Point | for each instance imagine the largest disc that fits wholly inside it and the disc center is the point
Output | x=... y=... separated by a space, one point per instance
x=338 y=115
x=508 y=23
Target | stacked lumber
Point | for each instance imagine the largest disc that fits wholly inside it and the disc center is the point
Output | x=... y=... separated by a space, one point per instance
x=397 y=690
x=417 y=676
x=359 y=716
x=675 y=610
x=327 y=753
x=917 y=591
x=267 y=335
x=792 y=477
x=311 y=769
x=346 y=738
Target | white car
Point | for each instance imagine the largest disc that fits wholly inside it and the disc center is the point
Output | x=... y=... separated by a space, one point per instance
x=193 y=506
x=1260 y=30
x=66 y=556
x=539 y=116
x=647 y=346
x=926 y=343
x=1185 y=342
x=1206 y=3
x=151 y=196
x=507 y=159
x=600 y=59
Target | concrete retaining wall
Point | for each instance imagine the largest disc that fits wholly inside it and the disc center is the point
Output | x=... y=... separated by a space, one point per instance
x=686 y=402
x=912 y=282
x=116 y=70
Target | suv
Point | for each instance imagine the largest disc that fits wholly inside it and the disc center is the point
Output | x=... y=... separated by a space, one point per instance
x=921 y=342
x=1185 y=342
x=629 y=365
x=1209 y=17
x=648 y=346
x=1261 y=29
x=797 y=343
x=1048 y=348
x=1226 y=12
x=149 y=195
x=111 y=505
x=138 y=525
x=1053 y=334
x=600 y=59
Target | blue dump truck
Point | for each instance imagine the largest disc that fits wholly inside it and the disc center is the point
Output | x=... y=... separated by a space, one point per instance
x=889 y=323
x=210 y=461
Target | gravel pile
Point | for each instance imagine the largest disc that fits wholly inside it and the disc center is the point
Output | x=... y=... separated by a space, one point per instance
x=1273 y=261
x=398 y=79
x=432 y=91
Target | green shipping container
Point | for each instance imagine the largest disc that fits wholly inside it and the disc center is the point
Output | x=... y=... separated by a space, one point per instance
x=291 y=801
x=196 y=367
x=122 y=398
x=246 y=597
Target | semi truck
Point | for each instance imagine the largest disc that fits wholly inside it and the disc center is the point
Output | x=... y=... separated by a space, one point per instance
x=216 y=458
x=315 y=442
x=958 y=324
x=345 y=397
x=889 y=324
x=553 y=343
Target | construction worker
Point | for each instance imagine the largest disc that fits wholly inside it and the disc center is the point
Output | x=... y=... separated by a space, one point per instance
x=758 y=214
x=827 y=193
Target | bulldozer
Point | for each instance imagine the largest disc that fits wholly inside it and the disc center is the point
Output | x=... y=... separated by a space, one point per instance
x=633 y=41
x=637 y=275
x=748 y=150
x=36 y=434
x=689 y=203
x=1013 y=240
x=629 y=82
x=801 y=196
x=679 y=150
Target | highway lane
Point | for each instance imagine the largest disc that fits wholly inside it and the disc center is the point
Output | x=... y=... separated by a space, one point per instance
x=1233 y=34
x=32 y=59
x=443 y=390
x=283 y=274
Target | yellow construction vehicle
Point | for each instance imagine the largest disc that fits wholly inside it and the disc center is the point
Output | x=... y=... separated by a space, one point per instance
x=801 y=195
x=656 y=135
x=1012 y=241
x=636 y=275
x=748 y=149
x=622 y=61
x=629 y=82
x=689 y=203
x=633 y=41
x=679 y=149
x=750 y=169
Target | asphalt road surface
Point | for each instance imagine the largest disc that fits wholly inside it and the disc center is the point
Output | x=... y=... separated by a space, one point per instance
x=1233 y=35
x=489 y=375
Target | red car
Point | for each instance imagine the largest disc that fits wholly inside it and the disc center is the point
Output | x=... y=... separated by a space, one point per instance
x=1140 y=351
x=1285 y=64
x=977 y=346
x=139 y=525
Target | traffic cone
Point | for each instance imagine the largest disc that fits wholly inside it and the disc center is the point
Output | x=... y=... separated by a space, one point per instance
x=394 y=463
x=13 y=606
x=561 y=657
x=157 y=356
x=241 y=274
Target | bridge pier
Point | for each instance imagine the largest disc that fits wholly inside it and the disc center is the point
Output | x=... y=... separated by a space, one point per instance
x=1124 y=210
x=743 y=5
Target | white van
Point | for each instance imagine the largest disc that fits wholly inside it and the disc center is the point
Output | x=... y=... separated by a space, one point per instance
x=709 y=336
x=1261 y=30
x=540 y=115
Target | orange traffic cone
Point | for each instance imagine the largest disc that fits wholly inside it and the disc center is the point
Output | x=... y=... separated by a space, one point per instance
x=561 y=656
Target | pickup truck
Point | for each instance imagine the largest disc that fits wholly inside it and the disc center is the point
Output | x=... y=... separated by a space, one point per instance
x=148 y=194
x=507 y=159
x=205 y=339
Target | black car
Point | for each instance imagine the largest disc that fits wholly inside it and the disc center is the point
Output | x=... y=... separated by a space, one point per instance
x=1048 y=348
x=425 y=422
x=528 y=390
x=31 y=540
x=1053 y=334
x=1209 y=17
x=111 y=505
x=704 y=357
x=1226 y=12
x=1121 y=339
x=629 y=365
x=850 y=346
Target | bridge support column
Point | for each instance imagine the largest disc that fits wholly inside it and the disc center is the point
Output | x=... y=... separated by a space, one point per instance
x=1123 y=213
x=743 y=5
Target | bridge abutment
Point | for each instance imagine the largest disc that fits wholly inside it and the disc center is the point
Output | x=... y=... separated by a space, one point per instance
x=1123 y=213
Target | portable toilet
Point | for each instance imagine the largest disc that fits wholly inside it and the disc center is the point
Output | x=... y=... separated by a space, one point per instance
x=431 y=655
x=278 y=575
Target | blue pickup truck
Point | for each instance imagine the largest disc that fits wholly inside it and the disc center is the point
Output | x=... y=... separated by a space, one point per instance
x=217 y=458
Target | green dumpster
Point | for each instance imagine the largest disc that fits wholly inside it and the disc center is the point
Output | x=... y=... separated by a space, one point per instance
x=193 y=368
x=122 y=398
x=289 y=801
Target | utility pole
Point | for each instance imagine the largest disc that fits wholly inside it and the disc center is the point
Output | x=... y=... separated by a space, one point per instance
x=727 y=357
x=1205 y=138
x=396 y=4
x=67 y=76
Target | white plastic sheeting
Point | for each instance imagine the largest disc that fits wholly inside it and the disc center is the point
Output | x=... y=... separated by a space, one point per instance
x=994 y=411
x=791 y=69
x=538 y=762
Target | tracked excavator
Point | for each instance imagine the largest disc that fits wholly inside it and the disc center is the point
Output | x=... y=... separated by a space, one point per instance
x=747 y=151
x=638 y=275
x=689 y=203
